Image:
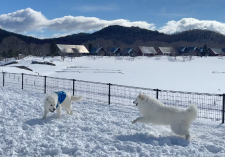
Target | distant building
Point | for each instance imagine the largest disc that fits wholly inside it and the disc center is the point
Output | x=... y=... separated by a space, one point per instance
x=164 y=50
x=72 y=50
x=223 y=49
x=215 y=51
x=128 y=52
x=182 y=50
x=193 y=51
x=99 y=51
x=147 y=51
x=115 y=51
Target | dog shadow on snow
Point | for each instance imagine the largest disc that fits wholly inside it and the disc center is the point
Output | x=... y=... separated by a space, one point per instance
x=149 y=139
x=40 y=121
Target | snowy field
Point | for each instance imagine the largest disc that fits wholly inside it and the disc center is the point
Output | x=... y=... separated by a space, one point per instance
x=205 y=75
x=106 y=130
x=95 y=130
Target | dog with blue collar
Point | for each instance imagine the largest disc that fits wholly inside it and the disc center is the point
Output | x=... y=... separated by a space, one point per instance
x=58 y=100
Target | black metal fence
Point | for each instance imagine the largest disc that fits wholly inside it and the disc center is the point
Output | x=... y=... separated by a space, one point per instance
x=211 y=106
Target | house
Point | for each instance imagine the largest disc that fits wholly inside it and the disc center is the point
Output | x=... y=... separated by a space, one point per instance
x=99 y=51
x=215 y=51
x=193 y=50
x=182 y=50
x=147 y=51
x=223 y=49
x=115 y=51
x=72 y=50
x=128 y=52
x=164 y=50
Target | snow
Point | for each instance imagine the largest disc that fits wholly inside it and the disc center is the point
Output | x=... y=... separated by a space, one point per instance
x=204 y=75
x=98 y=129
x=94 y=130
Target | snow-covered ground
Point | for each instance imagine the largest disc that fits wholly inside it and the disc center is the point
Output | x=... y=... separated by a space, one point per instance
x=95 y=130
x=205 y=75
x=106 y=130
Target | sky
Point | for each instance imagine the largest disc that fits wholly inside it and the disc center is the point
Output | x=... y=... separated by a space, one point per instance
x=49 y=19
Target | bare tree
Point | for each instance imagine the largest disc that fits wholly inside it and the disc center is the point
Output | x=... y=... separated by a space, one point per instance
x=63 y=54
x=184 y=56
x=174 y=53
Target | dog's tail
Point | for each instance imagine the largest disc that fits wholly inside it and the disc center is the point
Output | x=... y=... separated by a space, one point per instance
x=192 y=112
x=76 y=98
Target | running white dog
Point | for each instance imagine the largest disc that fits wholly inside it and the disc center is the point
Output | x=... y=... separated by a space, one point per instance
x=155 y=112
x=57 y=101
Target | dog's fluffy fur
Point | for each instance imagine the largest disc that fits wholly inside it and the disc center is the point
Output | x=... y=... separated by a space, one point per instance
x=155 y=112
x=51 y=101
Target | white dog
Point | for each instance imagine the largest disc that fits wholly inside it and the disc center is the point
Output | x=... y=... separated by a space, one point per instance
x=57 y=100
x=155 y=112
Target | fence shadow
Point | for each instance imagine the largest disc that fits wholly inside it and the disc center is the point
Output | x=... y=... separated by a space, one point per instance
x=149 y=139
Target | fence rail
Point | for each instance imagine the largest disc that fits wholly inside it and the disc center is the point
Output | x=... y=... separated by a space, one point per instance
x=211 y=106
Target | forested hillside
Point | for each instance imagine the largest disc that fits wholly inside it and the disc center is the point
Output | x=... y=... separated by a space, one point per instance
x=112 y=36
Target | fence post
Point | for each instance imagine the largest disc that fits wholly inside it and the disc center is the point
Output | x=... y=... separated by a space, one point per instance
x=3 y=76
x=22 y=80
x=109 y=96
x=45 y=84
x=223 y=109
x=73 y=86
x=157 y=93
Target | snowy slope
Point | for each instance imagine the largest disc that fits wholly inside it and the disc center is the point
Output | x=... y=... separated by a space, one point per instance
x=94 y=130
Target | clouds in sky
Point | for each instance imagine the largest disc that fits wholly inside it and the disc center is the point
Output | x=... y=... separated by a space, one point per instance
x=87 y=24
x=30 y=20
x=192 y=23
x=23 y=20
x=26 y=20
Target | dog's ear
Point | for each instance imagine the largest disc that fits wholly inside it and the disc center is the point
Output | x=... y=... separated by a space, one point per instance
x=140 y=96
x=47 y=99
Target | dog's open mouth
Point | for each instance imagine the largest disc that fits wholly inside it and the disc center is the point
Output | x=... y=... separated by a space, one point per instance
x=135 y=103
x=51 y=110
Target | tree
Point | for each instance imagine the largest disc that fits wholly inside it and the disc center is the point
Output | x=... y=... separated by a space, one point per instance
x=174 y=53
x=53 y=49
x=63 y=54
x=204 y=50
x=90 y=46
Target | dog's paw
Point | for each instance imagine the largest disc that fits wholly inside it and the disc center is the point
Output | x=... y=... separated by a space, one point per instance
x=80 y=98
x=134 y=121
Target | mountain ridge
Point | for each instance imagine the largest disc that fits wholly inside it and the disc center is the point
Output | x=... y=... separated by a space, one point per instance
x=111 y=36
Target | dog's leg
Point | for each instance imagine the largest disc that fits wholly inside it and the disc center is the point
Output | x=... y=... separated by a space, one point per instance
x=187 y=137
x=67 y=111
x=140 y=120
x=45 y=114
x=59 y=111
x=71 y=111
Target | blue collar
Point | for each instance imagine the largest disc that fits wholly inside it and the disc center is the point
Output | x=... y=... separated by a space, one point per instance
x=61 y=97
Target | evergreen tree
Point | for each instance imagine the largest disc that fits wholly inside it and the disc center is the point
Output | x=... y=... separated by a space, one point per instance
x=204 y=50
x=53 y=49
x=90 y=46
